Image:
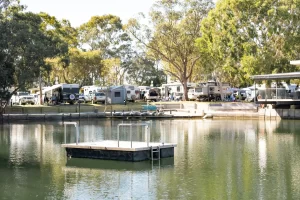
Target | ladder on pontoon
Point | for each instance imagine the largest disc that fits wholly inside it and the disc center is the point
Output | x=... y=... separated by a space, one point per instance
x=153 y=151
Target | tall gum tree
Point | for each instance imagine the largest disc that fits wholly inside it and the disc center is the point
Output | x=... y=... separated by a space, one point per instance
x=105 y=33
x=175 y=25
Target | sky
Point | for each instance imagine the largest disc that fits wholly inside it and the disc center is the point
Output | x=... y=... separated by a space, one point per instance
x=79 y=12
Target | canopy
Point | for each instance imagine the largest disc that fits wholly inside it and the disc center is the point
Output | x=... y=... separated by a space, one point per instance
x=291 y=75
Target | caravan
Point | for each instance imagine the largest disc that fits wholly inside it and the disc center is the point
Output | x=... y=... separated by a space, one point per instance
x=94 y=93
x=171 y=89
x=133 y=92
x=62 y=93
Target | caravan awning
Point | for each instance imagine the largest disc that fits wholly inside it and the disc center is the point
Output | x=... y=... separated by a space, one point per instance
x=291 y=75
x=50 y=88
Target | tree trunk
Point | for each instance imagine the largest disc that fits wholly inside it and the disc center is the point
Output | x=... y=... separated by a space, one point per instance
x=185 y=90
x=2 y=108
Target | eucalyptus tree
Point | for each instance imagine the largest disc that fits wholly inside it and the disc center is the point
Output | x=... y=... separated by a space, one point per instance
x=62 y=30
x=23 y=48
x=175 y=25
x=144 y=71
x=243 y=38
x=105 y=33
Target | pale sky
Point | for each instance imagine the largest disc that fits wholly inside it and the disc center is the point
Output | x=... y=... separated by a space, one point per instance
x=79 y=12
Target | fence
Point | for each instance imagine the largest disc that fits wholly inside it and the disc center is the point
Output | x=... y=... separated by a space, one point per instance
x=279 y=93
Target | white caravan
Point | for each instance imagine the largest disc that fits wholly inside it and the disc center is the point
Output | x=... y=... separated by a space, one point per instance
x=133 y=92
x=90 y=91
x=171 y=88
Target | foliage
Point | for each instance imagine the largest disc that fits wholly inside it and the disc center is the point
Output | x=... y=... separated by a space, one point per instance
x=105 y=33
x=63 y=31
x=175 y=26
x=143 y=71
x=23 y=48
x=244 y=38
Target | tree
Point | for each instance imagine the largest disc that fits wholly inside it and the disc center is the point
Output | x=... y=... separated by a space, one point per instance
x=23 y=48
x=105 y=33
x=65 y=32
x=176 y=26
x=244 y=38
x=143 y=70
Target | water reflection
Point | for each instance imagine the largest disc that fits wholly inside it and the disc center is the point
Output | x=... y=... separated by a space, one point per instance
x=214 y=159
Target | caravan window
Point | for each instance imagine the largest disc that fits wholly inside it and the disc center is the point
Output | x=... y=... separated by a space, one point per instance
x=178 y=88
x=23 y=93
x=131 y=87
x=71 y=90
x=117 y=94
x=128 y=92
x=198 y=89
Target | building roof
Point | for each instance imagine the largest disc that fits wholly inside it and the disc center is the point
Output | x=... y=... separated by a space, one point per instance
x=281 y=76
x=295 y=62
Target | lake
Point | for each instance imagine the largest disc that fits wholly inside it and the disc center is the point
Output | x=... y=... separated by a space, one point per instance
x=214 y=159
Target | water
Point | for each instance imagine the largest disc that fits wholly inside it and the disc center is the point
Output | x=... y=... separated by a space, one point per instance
x=214 y=159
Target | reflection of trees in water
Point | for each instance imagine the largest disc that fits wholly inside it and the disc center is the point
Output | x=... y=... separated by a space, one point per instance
x=241 y=159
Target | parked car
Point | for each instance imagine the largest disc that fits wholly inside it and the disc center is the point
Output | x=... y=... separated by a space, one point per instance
x=98 y=97
x=152 y=95
x=23 y=98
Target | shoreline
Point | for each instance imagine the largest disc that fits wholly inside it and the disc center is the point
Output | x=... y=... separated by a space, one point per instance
x=165 y=110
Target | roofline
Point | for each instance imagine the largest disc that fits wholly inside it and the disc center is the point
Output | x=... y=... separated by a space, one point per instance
x=295 y=62
x=281 y=76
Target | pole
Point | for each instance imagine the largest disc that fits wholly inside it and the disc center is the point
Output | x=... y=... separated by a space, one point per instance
x=40 y=85
x=148 y=135
x=255 y=93
x=77 y=133
x=118 y=135
x=131 y=136
x=79 y=109
x=65 y=130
